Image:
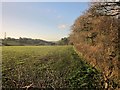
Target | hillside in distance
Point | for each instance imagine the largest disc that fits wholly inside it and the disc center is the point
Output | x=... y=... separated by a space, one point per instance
x=25 y=41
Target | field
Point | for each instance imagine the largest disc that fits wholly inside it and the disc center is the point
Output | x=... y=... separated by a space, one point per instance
x=46 y=67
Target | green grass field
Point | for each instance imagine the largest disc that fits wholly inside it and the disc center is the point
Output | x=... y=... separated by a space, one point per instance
x=46 y=67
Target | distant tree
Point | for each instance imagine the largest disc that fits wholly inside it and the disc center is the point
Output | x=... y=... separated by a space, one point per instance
x=63 y=41
x=20 y=41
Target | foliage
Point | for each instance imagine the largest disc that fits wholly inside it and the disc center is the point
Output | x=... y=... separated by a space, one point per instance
x=46 y=67
x=63 y=41
x=95 y=36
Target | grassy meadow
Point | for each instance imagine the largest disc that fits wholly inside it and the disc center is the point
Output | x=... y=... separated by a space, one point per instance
x=46 y=67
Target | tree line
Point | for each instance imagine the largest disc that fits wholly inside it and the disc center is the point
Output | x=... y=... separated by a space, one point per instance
x=8 y=41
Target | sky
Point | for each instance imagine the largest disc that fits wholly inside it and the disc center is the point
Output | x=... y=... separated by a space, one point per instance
x=40 y=20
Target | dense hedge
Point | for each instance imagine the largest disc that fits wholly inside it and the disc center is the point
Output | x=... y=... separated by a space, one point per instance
x=95 y=36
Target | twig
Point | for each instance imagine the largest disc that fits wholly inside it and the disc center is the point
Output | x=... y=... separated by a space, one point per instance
x=27 y=87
